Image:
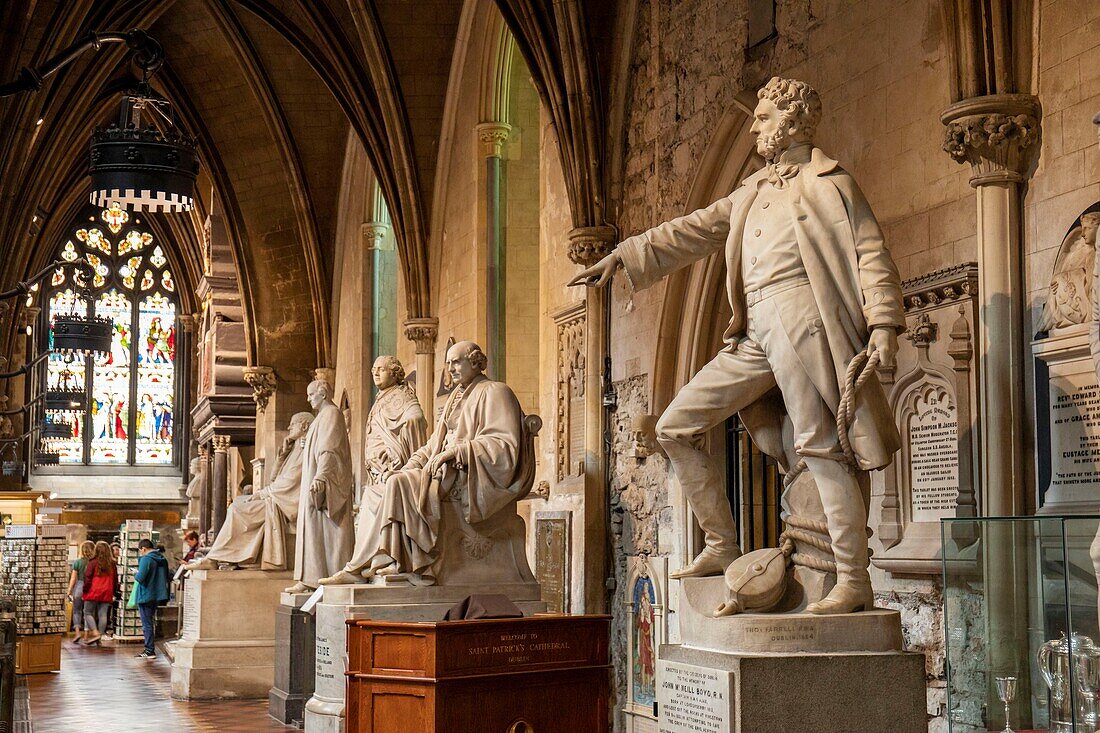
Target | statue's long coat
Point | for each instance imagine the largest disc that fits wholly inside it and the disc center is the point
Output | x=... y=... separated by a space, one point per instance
x=851 y=274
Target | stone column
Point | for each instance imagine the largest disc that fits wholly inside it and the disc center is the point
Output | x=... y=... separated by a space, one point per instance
x=206 y=502
x=221 y=482
x=423 y=332
x=492 y=136
x=998 y=135
x=587 y=245
x=374 y=237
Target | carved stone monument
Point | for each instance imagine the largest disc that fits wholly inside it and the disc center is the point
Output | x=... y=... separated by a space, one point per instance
x=446 y=527
x=258 y=525
x=197 y=470
x=1068 y=395
x=396 y=429
x=933 y=393
x=325 y=532
x=816 y=302
x=227 y=642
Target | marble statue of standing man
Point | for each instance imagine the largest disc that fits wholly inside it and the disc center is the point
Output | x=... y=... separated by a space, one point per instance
x=811 y=284
x=326 y=533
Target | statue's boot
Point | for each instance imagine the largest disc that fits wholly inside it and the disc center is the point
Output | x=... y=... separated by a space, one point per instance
x=299 y=587
x=846 y=515
x=708 y=562
x=341 y=578
x=204 y=563
x=699 y=478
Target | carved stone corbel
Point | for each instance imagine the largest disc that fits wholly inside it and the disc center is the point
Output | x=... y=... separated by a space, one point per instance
x=588 y=245
x=263 y=381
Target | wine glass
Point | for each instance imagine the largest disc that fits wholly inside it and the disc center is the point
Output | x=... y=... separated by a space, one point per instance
x=1006 y=691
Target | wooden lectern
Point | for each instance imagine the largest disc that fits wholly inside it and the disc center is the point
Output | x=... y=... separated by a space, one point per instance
x=542 y=674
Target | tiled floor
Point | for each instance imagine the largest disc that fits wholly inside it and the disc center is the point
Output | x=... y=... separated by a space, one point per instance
x=107 y=690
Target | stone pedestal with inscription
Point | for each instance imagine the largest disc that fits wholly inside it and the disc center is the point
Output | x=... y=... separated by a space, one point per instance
x=295 y=645
x=325 y=711
x=227 y=644
x=780 y=672
x=1068 y=423
x=702 y=691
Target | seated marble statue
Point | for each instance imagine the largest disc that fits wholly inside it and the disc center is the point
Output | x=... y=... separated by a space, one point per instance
x=256 y=525
x=474 y=468
x=326 y=525
x=396 y=428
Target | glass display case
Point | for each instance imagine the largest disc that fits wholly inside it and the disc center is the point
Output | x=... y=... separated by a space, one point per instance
x=1021 y=623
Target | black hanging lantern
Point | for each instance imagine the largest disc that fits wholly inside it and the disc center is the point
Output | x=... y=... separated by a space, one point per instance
x=56 y=430
x=74 y=333
x=46 y=458
x=65 y=400
x=138 y=166
x=143 y=169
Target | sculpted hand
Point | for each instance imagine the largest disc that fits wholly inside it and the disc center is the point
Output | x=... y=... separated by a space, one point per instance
x=439 y=460
x=884 y=340
x=317 y=494
x=600 y=273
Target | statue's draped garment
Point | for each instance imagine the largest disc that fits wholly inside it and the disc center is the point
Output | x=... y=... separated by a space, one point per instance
x=326 y=535
x=256 y=526
x=483 y=424
x=396 y=428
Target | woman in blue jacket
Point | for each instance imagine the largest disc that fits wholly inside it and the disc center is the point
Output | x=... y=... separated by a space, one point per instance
x=152 y=579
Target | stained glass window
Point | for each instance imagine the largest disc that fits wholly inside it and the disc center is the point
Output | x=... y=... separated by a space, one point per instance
x=129 y=416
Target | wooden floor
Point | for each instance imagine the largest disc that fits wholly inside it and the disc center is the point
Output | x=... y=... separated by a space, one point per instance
x=108 y=690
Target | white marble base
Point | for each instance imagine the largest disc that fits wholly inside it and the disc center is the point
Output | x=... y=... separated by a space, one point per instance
x=779 y=633
x=733 y=693
x=227 y=645
x=325 y=710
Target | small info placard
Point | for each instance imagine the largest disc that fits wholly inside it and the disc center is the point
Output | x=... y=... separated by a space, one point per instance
x=693 y=699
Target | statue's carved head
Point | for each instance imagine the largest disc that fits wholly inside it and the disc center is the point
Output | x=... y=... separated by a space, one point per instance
x=465 y=362
x=1089 y=224
x=387 y=371
x=195 y=466
x=299 y=425
x=787 y=113
x=318 y=393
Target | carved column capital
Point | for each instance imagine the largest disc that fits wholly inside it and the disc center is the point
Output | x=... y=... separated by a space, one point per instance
x=422 y=332
x=374 y=235
x=588 y=245
x=493 y=135
x=263 y=381
x=997 y=135
x=221 y=443
x=28 y=315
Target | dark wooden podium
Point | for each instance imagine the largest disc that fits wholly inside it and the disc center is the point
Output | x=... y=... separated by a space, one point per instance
x=542 y=674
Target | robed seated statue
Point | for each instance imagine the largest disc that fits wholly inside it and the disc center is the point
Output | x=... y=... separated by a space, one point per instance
x=257 y=525
x=449 y=515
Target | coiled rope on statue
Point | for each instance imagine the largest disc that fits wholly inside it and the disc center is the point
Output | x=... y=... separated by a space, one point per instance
x=808 y=531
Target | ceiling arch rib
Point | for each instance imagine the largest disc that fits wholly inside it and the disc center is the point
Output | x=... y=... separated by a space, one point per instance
x=302 y=202
x=552 y=36
x=358 y=92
